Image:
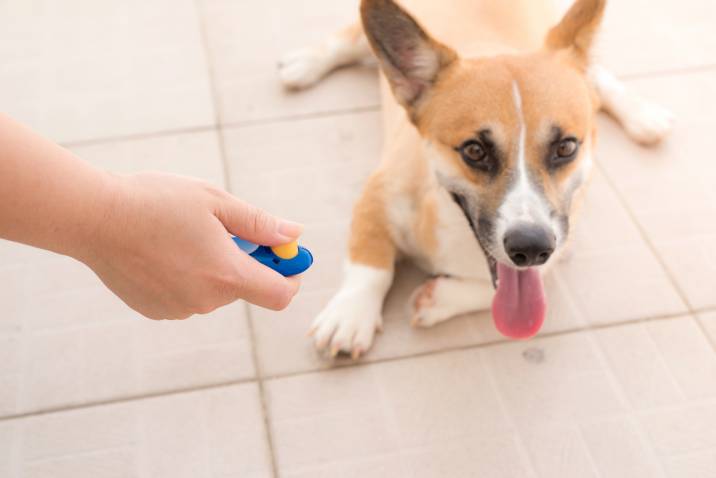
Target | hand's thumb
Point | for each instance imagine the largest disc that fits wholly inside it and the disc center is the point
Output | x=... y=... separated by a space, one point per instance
x=256 y=225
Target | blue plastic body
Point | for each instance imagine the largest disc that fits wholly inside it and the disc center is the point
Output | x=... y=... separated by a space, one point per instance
x=285 y=267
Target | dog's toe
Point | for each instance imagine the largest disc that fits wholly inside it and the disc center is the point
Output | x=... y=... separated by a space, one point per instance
x=648 y=123
x=303 y=68
x=347 y=327
x=426 y=312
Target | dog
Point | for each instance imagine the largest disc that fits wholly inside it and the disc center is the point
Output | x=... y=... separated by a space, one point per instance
x=489 y=139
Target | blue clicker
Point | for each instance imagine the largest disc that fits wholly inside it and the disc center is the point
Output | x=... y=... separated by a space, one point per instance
x=288 y=260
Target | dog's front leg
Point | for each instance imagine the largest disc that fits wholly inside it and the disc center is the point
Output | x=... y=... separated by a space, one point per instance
x=305 y=67
x=645 y=122
x=350 y=320
x=443 y=298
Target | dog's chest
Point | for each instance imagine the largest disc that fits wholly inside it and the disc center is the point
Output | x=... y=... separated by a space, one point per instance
x=457 y=252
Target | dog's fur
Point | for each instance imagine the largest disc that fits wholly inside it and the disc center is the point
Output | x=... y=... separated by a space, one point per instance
x=515 y=79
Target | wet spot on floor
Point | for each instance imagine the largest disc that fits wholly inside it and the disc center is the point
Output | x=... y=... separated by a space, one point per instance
x=533 y=355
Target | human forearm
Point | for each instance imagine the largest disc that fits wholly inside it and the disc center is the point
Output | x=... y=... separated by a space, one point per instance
x=49 y=198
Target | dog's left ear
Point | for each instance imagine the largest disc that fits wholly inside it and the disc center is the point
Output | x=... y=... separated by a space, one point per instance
x=409 y=57
x=575 y=33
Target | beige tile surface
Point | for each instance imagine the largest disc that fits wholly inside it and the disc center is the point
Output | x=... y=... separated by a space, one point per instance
x=93 y=69
x=643 y=36
x=619 y=384
x=670 y=188
x=308 y=170
x=386 y=418
x=610 y=263
x=708 y=321
x=190 y=154
x=661 y=363
x=247 y=40
x=107 y=351
x=214 y=433
x=558 y=406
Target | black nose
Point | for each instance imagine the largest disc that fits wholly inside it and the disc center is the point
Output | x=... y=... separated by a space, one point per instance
x=529 y=245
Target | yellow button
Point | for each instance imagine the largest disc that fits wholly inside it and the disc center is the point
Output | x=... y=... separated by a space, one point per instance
x=287 y=251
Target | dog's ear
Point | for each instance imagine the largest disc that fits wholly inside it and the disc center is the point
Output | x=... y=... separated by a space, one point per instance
x=410 y=59
x=575 y=33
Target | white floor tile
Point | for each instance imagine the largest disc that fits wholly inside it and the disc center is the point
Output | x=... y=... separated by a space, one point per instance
x=214 y=434
x=94 y=69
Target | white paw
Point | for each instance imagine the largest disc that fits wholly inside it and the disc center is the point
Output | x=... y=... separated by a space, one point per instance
x=347 y=324
x=443 y=298
x=303 y=68
x=427 y=307
x=647 y=123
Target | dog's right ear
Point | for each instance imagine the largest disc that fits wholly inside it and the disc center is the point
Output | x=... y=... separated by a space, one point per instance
x=410 y=59
x=575 y=33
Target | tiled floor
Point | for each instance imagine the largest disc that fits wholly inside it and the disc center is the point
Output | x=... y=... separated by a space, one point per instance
x=621 y=382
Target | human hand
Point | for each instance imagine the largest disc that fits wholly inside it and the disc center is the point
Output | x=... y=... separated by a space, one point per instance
x=164 y=247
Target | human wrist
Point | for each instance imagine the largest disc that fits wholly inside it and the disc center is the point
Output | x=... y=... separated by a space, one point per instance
x=96 y=219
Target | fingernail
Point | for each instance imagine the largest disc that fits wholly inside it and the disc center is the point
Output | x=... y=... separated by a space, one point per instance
x=290 y=229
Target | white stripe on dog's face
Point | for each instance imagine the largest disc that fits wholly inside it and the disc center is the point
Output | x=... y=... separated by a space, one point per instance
x=524 y=203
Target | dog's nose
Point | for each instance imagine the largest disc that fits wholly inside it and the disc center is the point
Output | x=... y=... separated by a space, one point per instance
x=529 y=245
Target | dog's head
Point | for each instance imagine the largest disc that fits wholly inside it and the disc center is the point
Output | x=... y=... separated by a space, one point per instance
x=510 y=137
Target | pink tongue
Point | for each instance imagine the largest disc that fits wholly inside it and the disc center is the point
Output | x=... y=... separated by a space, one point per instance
x=519 y=306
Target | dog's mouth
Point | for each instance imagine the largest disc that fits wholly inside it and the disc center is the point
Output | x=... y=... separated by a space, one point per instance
x=520 y=306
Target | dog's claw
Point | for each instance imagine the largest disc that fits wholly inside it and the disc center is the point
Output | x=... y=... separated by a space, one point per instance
x=322 y=344
x=355 y=355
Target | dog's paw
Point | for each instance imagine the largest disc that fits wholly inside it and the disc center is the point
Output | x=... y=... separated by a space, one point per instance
x=302 y=69
x=443 y=298
x=347 y=325
x=647 y=123
x=428 y=304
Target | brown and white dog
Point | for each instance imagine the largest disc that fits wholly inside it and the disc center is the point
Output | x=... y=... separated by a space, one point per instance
x=488 y=143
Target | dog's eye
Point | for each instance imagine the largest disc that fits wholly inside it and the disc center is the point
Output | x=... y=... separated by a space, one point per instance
x=563 y=152
x=567 y=148
x=476 y=155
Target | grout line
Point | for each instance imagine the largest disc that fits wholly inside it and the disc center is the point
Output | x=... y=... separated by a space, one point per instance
x=645 y=237
x=519 y=438
x=214 y=94
x=127 y=399
x=138 y=136
x=632 y=408
x=219 y=125
x=669 y=274
x=262 y=394
x=588 y=451
x=227 y=184
x=318 y=114
x=263 y=378
x=302 y=116
x=711 y=340
x=475 y=346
